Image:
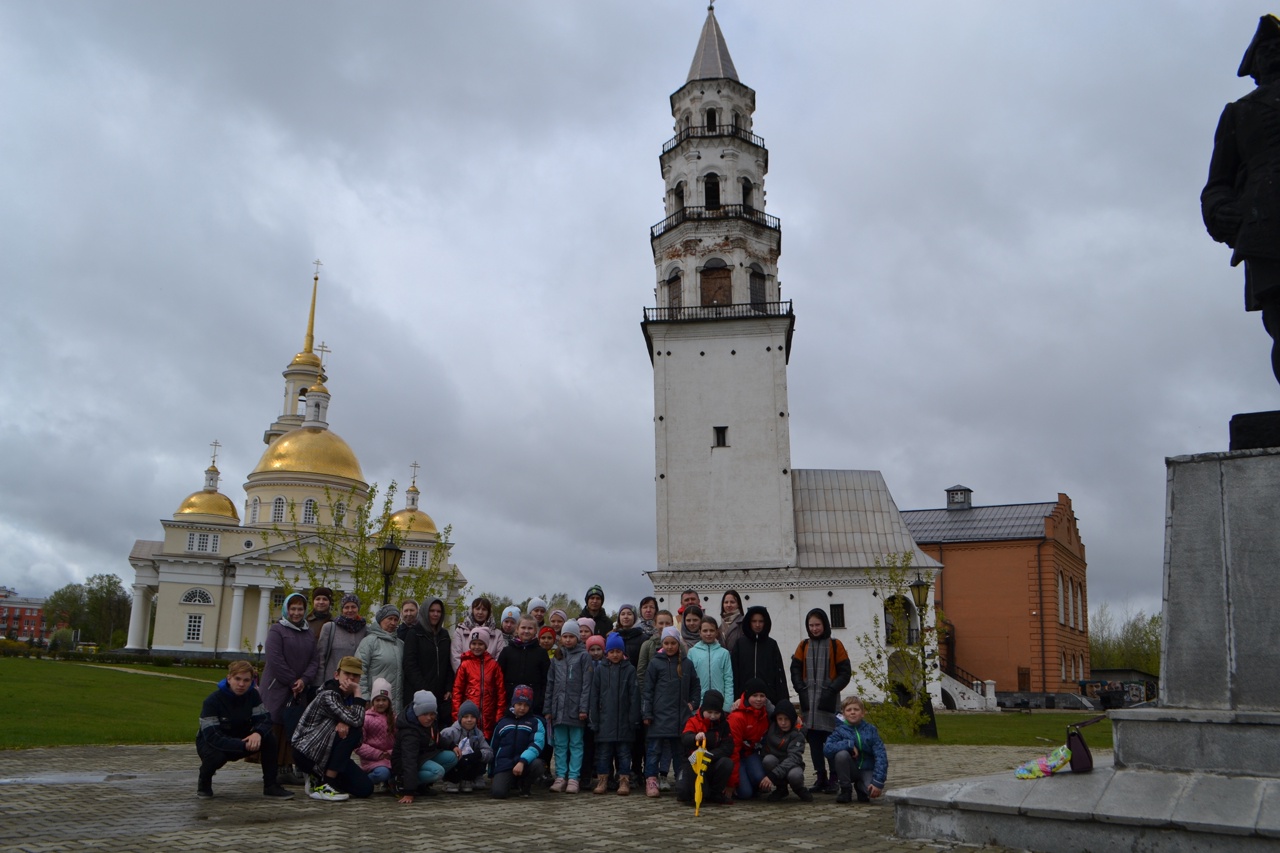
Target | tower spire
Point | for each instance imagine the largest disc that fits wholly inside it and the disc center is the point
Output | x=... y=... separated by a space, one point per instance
x=711 y=61
x=310 y=340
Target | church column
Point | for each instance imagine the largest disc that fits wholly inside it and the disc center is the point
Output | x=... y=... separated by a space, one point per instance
x=237 y=618
x=264 y=612
x=138 y=618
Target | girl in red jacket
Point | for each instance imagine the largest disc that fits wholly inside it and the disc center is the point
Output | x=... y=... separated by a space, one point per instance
x=479 y=679
x=749 y=723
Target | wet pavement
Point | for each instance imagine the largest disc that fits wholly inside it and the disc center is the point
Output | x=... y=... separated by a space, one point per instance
x=128 y=798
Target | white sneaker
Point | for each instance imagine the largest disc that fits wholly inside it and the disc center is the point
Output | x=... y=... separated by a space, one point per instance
x=328 y=793
x=467 y=786
x=451 y=787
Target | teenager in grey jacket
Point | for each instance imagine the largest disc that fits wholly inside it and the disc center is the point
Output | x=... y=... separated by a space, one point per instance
x=782 y=754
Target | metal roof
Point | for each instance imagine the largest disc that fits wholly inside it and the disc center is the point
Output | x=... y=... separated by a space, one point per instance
x=711 y=60
x=981 y=523
x=847 y=519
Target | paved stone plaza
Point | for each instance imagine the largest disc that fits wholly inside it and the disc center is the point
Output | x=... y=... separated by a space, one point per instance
x=143 y=798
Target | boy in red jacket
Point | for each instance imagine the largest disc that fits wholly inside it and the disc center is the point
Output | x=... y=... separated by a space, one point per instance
x=709 y=729
x=479 y=679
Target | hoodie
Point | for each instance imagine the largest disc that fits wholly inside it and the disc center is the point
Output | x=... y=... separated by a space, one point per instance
x=756 y=655
x=428 y=664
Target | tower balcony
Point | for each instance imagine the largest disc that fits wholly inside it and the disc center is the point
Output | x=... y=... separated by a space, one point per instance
x=716 y=130
x=724 y=211
x=734 y=311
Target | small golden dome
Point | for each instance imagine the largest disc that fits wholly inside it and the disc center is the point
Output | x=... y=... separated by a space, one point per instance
x=310 y=450
x=318 y=388
x=413 y=522
x=308 y=358
x=208 y=503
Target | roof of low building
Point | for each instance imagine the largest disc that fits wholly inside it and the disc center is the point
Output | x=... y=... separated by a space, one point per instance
x=847 y=519
x=980 y=523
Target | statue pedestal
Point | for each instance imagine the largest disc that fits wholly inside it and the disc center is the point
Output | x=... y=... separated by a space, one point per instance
x=1201 y=770
x=1255 y=430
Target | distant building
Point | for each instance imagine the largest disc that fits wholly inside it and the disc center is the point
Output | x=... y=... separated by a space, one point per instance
x=213 y=581
x=1014 y=593
x=22 y=618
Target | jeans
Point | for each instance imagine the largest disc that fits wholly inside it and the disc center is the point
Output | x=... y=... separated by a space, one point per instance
x=568 y=751
x=750 y=772
x=350 y=778
x=607 y=751
x=380 y=775
x=658 y=754
x=433 y=769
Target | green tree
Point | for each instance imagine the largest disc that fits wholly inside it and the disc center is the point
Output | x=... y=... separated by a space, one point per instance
x=1130 y=642
x=324 y=550
x=66 y=606
x=895 y=653
x=106 y=609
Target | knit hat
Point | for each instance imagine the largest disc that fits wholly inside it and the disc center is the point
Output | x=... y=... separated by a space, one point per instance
x=671 y=631
x=510 y=613
x=480 y=633
x=322 y=590
x=571 y=627
x=350 y=598
x=588 y=622
x=351 y=666
x=595 y=640
x=614 y=642
x=424 y=702
x=469 y=707
x=563 y=615
x=713 y=700
x=546 y=629
x=594 y=590
x=384 y=611
x=381 y=687
x=753 y=686
x=522 y=693
x=535 y=603
x=785 y=707
x=631 y=607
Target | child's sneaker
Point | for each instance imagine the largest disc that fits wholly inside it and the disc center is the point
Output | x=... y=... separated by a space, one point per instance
x=571 y=787
x=329 y=794
x=466 y=786
x=558 y=786
x=664 y=784
x=845 y=795
x=651 y=787
x=451 y=787
x=277 y=792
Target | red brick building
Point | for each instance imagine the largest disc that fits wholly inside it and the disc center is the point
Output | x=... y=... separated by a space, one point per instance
x=22 y=618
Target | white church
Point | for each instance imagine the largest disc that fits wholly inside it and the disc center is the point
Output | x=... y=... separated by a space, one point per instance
x=731 y=511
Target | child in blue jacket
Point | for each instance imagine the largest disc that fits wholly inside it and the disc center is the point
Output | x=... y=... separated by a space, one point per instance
x=858 y=754
x=518 y=740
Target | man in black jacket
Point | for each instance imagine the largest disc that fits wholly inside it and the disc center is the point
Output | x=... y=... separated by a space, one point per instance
x=234 y=724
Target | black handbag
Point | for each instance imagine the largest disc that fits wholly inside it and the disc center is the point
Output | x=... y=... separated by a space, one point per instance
x=1081 y=757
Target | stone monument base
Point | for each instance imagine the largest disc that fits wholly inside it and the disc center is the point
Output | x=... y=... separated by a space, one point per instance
x=1255 y=430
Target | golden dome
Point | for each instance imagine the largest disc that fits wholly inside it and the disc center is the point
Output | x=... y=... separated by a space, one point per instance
x=208 y=503
x=308 y=358
x=413 y=522
x=310 y=450
x=318 y=388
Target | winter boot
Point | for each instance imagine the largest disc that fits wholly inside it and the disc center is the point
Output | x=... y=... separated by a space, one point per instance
x=624 y=785
x=845 y=795
x=802 y=792
x=602 y=784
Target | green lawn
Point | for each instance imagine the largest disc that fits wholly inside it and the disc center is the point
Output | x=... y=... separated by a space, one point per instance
x=53 y=703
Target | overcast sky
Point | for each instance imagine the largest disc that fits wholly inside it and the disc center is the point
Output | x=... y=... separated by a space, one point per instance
x=991 y=236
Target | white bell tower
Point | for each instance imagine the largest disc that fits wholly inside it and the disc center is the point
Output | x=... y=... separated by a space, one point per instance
x=720 y=335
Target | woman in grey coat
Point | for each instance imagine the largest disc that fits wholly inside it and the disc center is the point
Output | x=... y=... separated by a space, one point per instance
x=340 y=638
x=382 y=654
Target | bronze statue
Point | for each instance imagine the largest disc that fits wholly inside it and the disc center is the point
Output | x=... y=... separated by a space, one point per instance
x=1241 y=200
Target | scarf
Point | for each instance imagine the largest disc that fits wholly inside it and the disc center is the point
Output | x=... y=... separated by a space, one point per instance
x=690 y=638
x=817 y=663
x=351 y=626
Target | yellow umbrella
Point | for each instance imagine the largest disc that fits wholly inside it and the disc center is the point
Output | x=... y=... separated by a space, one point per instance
x=700 y=760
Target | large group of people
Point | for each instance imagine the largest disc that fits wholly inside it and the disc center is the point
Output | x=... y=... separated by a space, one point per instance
x=346 y=706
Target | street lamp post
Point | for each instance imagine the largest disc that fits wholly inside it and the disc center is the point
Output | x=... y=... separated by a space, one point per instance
x=390 y=554
x=920 y=594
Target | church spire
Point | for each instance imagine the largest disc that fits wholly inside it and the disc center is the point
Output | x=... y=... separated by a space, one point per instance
x=311 y=317
x=711 y=61
x=304 y=372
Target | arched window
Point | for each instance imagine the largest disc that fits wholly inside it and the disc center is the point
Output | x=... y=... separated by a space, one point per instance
x=1062 y=666
x=301 y=407
x=196 y=595
x=254 y=506
x=675 y=290
x=896 y=607
x=309 y=511
x=716 y=284
x=1071 y=609
x=711 y=190
x=757 y=287
x=1080 y=606
x=678 y=197
x=736 y=120
x=1061 y=619
x=339 y=513
x=277 y=511
x=747 y=196
x=686 y=122
x=711 y=119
